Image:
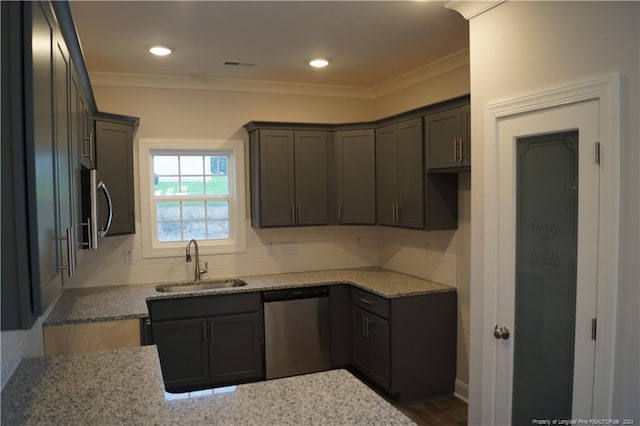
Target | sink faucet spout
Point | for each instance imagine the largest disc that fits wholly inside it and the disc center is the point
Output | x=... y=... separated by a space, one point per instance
x=198 y=271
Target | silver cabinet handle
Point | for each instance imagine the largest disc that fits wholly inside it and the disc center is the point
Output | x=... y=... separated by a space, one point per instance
x=299 y=213
x=366 y=327
x=366 y=301
x=460 y=145
x=69 y=266
x=455 y=150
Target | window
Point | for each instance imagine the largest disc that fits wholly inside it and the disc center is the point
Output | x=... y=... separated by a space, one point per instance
x=192 y=190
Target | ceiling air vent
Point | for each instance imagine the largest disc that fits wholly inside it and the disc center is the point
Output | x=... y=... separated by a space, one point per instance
x=239 y=64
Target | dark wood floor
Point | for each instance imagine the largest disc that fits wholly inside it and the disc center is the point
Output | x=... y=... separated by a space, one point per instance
x=443 y=411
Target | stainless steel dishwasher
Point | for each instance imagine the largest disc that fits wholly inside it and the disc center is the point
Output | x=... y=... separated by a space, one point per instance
x=296 y=323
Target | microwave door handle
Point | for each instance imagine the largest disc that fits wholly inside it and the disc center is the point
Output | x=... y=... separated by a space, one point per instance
x=92 y=220
x=105 y=229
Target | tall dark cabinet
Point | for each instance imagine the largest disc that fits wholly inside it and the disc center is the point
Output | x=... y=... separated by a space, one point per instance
x=400 y=174
x=47 y=108
x=355 y=173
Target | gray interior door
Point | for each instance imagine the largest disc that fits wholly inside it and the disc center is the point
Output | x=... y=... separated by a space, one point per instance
x=546 y=267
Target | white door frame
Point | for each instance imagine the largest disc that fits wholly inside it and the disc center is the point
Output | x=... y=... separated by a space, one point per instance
x=607 y=91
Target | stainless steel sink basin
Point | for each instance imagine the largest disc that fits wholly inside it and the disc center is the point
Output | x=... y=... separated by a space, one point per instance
x=199 y=285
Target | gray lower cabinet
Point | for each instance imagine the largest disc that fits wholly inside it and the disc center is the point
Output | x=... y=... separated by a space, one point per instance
x=355 y=173
x=400 y=174
x=407 y=345
x=371 y=346
x=184 y=353
x=448 y=140
x=114 y=161
x=208 y=341
x=289 y=177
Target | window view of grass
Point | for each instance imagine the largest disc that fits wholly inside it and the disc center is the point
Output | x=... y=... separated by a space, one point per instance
x=210 y=185
x=191 y=176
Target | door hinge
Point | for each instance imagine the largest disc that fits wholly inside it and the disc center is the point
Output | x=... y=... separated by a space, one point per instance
x=594 y=328
x=597 y=152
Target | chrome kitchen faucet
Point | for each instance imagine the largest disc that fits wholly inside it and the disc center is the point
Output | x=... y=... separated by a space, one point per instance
x=188 y=259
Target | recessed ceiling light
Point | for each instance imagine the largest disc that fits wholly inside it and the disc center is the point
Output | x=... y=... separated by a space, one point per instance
x=319 y=62
x=159 y=50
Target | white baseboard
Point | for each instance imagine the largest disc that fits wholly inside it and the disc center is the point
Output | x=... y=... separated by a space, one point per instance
x=461 y=391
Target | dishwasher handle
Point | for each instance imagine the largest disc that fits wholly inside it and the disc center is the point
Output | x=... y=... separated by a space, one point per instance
x=295 y=293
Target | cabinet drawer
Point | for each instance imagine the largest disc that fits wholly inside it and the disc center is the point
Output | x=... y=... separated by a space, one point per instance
x=370 y=302
x=204 y=306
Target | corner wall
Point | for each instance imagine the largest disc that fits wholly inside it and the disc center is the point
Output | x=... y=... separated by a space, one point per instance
x=519 y=48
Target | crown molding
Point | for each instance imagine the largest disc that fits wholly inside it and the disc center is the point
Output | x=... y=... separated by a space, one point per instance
x=472 y=8
x=445 y=65
x=434 y=69
x=223 y=85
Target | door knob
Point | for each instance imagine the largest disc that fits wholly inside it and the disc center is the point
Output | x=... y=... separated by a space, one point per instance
x=501 y=332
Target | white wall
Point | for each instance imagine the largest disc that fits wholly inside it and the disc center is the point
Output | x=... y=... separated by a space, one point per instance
x=523 y=47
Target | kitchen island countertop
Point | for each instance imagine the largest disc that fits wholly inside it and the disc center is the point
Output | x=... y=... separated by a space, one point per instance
x=125 y=386
x=110 y=303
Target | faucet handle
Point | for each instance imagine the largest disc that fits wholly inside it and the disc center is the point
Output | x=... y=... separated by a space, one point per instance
x=206 y=268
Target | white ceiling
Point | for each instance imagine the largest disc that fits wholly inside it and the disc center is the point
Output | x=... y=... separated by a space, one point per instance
x=369 y=43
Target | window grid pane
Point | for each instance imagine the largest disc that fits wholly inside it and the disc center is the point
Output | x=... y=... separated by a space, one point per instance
x=183 y=211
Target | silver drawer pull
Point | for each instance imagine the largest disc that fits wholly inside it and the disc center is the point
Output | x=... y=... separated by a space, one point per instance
x=366 y=301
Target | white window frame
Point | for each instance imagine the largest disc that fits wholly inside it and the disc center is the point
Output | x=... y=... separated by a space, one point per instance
x=151 y=247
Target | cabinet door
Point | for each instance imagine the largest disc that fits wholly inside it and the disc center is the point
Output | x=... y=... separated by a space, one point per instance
x=276 y=170
x=410 y=209
x=114 y=161
x=183 y=351
x=387 y=174
x=356 y=177
x=442 y=131
x=370 y=335
x=87 y=138
x=235 y=349
x=64 y=156
x=40 y=116
x=310 y=158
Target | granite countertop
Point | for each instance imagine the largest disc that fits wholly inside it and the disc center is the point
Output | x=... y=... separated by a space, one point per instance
x=94 y=304
x=125 y=386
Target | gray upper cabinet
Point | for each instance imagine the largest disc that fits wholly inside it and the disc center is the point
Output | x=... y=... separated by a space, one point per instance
x=288 y=177
x=114 y=161
x=48 y=105
x=400 y=174
x=355 y=171
x=310 y=164
x=447 y=136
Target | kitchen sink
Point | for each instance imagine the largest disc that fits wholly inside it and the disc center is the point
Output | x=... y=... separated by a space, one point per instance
x=199 y=285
